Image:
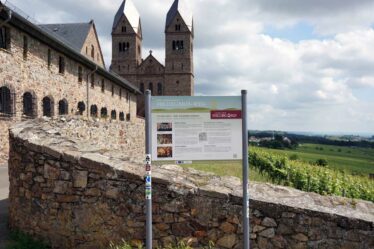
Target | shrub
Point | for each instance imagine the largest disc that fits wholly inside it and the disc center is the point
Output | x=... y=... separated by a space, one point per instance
x=294 y=157
x=322 y=162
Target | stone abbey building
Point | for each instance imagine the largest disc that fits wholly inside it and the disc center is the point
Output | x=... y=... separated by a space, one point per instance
x=176 y=76
x=58 y=69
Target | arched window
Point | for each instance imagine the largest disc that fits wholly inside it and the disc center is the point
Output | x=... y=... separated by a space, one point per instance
x=174 y=45
x=123 y=29
x=93 y=111
x=150 y=86
x=81 y=107
x=104 y=112
x=92 y=51
x=113 y=115
x=63 y=107
x=121 y=116
x=159 y=88
x=29 y=105
x=142 y=87
x=128 y=117
x=48 y=106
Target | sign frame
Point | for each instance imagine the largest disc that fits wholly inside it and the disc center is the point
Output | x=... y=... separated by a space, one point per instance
x=148 y=177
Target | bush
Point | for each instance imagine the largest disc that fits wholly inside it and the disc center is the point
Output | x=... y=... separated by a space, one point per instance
x=294 y=157
x=322 y=162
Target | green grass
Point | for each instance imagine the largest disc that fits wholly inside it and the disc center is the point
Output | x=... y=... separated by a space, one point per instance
x=224 y=168
x=19 y=240
x=351 y=159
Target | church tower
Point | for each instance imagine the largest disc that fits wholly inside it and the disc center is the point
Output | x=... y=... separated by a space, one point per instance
x=179 y=37
x=126 y=41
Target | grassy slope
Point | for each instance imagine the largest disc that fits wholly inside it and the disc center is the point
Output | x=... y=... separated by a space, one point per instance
x=354 y=160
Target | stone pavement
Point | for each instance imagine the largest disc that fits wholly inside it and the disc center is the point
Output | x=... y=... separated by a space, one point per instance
x=4 y=190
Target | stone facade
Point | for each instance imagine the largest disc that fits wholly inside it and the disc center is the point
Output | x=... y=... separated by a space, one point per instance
x=36 y=71
x=69 y=189
x=176 y=78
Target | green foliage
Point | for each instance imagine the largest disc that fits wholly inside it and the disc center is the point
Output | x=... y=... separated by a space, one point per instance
x=180 y=245
x=21 y=240
x=322 y=162
x=358 y=161
x=294 y=157
x=310 y=178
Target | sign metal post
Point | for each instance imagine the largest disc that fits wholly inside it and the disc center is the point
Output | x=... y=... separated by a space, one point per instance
x=245 y=171
x=148 y=176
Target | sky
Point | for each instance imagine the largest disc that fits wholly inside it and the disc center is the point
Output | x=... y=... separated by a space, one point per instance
x=307 y=65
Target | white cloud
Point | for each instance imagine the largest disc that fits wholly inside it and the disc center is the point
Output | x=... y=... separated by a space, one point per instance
x=308 y=85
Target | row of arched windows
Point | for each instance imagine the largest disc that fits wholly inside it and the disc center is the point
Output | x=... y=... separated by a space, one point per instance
x=29 y=103
x=104 y=113
x=150 y=87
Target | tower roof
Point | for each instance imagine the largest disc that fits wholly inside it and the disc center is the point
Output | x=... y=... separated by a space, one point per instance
x=181 y=7
x=129 y=10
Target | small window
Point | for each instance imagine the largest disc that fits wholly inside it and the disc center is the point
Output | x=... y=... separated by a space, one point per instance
x=92 y=51
x=25 y=47
x=119 y=68
x=102 y=85
x=139 y=50
x=93 y=111
x=48 y=106
x=92 y=80
x=5 y=101
x=120 y=46
x=112 y=90
x=127 y=96
x=177 y=27
x=121 y=116
x=113 y=115
x=150 y=86
x=124 y=29
x=81 y=107
x=61 y=65
x=80 y=74
x=159 y=88
x=182 y=66
x=125 y=46
x=86 y=50
x=142 y=87
x=49 y=58
x=120 y=93
x=63 y=107
x=104 y=112
x=174 y=45
x=28 y=105
x=4 y=38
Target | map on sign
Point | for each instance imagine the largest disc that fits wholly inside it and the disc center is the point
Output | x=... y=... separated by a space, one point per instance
x=196 y=128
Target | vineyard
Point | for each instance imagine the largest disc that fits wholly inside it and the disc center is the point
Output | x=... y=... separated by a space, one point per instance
x=311 y=178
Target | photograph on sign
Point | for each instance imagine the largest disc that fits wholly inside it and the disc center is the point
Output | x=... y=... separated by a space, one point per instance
x=196 y=128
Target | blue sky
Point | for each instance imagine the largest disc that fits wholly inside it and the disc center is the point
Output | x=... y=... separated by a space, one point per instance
x=307 y=65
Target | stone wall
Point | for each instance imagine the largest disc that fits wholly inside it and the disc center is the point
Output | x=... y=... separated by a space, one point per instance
x=35 y=76
x=78 y=184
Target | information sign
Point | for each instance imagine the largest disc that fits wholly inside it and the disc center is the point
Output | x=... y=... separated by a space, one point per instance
x=196 y=128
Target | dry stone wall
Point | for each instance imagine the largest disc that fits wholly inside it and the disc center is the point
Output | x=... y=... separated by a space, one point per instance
x=74 y=190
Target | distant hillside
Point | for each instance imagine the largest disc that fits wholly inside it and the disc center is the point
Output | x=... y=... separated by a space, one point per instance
x=344 y=140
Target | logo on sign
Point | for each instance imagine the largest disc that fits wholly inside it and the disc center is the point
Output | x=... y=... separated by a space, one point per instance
x=226 y=114
x=148 y=181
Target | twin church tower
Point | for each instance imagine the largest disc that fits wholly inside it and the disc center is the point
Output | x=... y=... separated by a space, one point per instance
x=176 y=76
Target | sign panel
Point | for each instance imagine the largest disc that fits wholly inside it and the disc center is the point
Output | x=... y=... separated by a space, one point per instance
x=196 y=128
